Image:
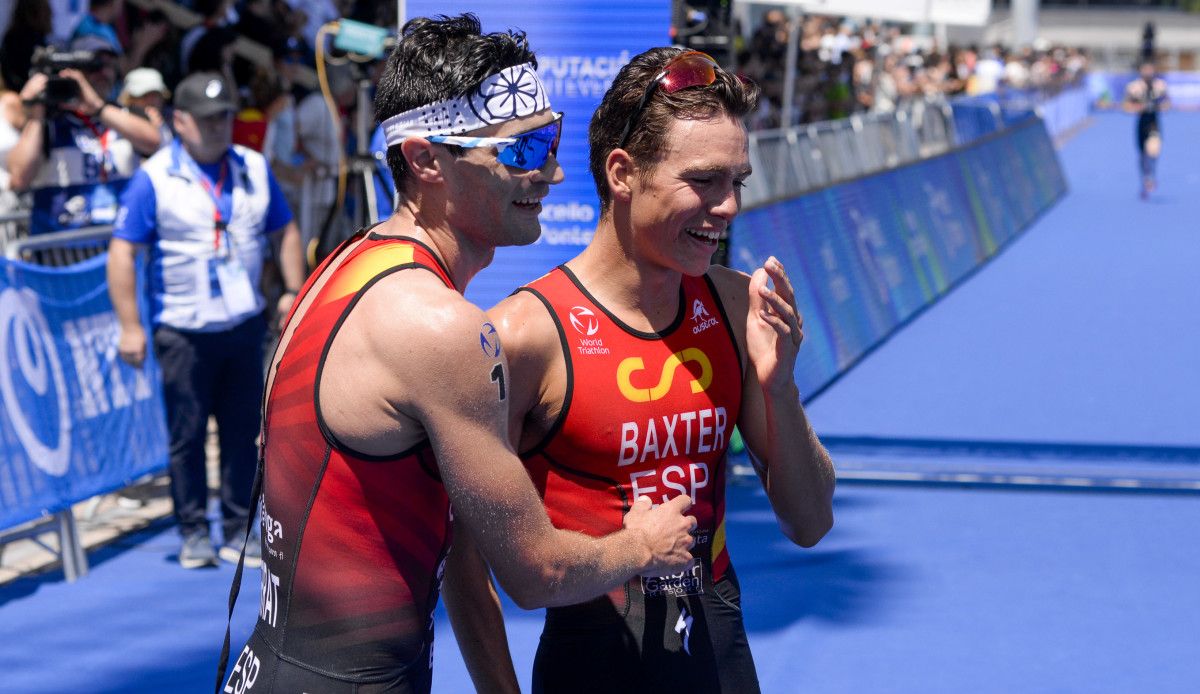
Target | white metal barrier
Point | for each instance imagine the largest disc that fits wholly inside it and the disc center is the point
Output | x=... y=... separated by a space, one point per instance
x=60 y=248
x=791 y=161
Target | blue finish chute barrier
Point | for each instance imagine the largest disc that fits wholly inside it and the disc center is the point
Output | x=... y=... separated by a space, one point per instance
x=982 y=115
x=75 y=421
x=867 y=255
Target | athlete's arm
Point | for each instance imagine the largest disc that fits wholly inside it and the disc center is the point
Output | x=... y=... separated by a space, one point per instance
x=475 y=614
x=796 y=470
x=433 y=367
x=1164 y=102
x=471 y=600
x=536 y=367
x=1132 y=103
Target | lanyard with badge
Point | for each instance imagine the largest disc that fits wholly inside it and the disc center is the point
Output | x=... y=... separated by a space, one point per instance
x=103 y=203
x=233 y=282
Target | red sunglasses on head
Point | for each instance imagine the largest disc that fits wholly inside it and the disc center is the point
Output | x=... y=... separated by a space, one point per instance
x=688 y=69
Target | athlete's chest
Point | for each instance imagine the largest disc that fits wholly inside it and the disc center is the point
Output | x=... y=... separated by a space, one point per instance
x=635 y=401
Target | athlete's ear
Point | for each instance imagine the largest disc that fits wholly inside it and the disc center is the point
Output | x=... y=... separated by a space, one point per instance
x=620 y=170
x=421 y=158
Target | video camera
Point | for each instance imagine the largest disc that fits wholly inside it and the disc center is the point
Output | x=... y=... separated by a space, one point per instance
x=50 y=62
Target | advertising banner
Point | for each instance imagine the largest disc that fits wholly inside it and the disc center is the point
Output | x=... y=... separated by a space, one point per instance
x=580 y=47
x=75 y=421
x=867 y=255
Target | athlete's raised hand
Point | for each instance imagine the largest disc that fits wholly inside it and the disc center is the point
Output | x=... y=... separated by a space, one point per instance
x=774 y=327
x=666 y=532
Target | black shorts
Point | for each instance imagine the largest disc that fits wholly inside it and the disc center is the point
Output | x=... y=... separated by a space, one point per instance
x=1147 y=125
x=593 y=647
x=257 y=669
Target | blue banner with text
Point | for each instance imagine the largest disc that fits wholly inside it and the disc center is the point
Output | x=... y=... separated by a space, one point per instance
x=75 y=421
x=867 y=255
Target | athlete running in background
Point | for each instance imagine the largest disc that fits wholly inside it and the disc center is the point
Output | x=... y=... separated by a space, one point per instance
x=632 y=363
x=387 y=399
x=1147 y=96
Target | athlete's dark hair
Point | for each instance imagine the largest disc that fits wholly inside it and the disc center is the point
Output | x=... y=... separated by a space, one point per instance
x=437 y=59
x=728 y=95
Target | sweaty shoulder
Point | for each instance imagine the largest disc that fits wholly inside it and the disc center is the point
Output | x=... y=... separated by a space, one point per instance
x=733 y=287
x=411 y=345
x=415 y=321
x=536 y=364
x=526 y=326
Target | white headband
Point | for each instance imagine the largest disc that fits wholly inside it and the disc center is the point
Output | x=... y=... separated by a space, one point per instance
x=511 y=93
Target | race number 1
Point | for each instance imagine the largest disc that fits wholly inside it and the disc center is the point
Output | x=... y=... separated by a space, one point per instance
x=498 y=379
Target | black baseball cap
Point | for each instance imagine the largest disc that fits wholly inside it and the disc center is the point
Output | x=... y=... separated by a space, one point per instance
x=203 y=94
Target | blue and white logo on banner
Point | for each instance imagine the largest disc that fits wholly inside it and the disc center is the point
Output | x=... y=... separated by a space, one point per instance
x=75 y=421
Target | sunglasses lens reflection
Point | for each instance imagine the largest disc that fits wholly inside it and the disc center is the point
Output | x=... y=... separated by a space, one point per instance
x=532 y=149
x=689 y=70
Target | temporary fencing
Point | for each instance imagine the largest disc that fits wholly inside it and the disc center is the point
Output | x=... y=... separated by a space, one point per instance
x=75 y=420
x=869 y=254
x=790 y=161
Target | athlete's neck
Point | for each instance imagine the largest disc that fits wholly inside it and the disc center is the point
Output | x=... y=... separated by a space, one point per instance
x=643 y=294
x=461 y=257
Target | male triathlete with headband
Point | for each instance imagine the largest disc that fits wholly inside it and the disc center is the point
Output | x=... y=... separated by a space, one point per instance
x=632 y=363
x=1147 y=96
x=387 y=398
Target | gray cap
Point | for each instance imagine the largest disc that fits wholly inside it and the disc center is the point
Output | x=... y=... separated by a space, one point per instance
x=203 y=94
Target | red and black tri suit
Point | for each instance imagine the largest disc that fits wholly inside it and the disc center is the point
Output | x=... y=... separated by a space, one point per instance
x=645 y=414
x=353 y=544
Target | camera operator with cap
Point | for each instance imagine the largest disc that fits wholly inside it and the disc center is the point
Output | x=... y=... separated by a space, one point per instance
x=77 y=150
x=207 y=211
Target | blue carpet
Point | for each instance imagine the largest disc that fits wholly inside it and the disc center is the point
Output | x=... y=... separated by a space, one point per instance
x=915 y=590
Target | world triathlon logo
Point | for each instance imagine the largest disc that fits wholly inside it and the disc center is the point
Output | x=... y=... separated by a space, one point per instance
x=584 y=320
x=489 y=340
x=30 y=375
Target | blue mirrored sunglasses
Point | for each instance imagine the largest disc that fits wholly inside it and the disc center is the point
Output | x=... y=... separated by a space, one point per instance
x=528 y=151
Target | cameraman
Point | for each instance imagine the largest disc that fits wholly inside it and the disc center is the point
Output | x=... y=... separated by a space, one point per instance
x=77 y=150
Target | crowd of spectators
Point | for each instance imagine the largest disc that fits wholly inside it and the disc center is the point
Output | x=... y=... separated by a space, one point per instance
x=141 y=50
x=844 y=67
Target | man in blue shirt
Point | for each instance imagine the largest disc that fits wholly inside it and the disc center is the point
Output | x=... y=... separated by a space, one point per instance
x=207 y=211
